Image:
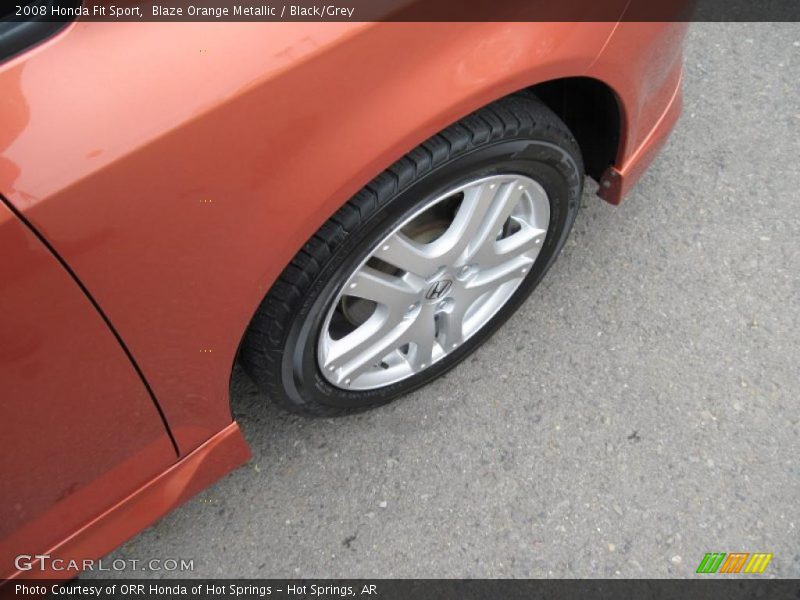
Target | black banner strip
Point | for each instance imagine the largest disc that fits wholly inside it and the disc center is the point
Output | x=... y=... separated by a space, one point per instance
x=401 y=10
x=732 y=588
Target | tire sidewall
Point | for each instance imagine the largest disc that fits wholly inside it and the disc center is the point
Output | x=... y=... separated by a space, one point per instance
x=547 y=163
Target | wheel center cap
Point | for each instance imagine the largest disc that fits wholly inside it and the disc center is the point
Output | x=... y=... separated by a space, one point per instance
x=438 y=289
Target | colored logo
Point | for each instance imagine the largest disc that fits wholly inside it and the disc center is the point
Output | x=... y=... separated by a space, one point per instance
x=735 y=562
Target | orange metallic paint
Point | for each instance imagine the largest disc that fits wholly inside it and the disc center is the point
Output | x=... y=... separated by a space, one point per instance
x=79 y=429
x=177 y=168
x=200 y=468
x=643 y=63
x=617 y=182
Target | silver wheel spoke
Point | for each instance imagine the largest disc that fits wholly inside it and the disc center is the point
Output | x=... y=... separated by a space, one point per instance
x=422 y=334
x=475 y=207
x=393 y=292
x=526 y=242
x=495 y=215
x=485 y=241
x=451 y=326
x=405 y=254
x=527 y=239
x=360 y=350
x=491 y=279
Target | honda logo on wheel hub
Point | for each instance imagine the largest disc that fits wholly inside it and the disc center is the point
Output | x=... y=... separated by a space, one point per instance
x=438 y=289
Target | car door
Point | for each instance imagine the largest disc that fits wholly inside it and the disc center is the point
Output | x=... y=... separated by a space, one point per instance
x=79 y=429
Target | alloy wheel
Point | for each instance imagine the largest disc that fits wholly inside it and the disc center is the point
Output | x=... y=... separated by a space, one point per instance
x=433 y=282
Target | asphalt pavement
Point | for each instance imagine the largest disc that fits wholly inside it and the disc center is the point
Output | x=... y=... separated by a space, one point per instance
x=640 y=410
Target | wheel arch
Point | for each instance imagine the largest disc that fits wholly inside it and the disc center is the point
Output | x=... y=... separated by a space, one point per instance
x=592 y=112
x=588 y=107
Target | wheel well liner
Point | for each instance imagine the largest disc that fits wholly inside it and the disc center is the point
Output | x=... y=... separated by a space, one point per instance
x=592 y=112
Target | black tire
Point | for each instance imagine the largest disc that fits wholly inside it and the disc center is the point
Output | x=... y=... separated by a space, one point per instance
x=515 y=134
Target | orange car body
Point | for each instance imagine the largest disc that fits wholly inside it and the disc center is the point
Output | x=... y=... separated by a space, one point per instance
x=157 y=178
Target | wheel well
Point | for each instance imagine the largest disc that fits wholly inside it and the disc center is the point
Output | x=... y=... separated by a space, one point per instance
x=591 y=111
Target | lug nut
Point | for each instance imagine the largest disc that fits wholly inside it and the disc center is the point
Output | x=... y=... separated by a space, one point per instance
x=466 y=271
